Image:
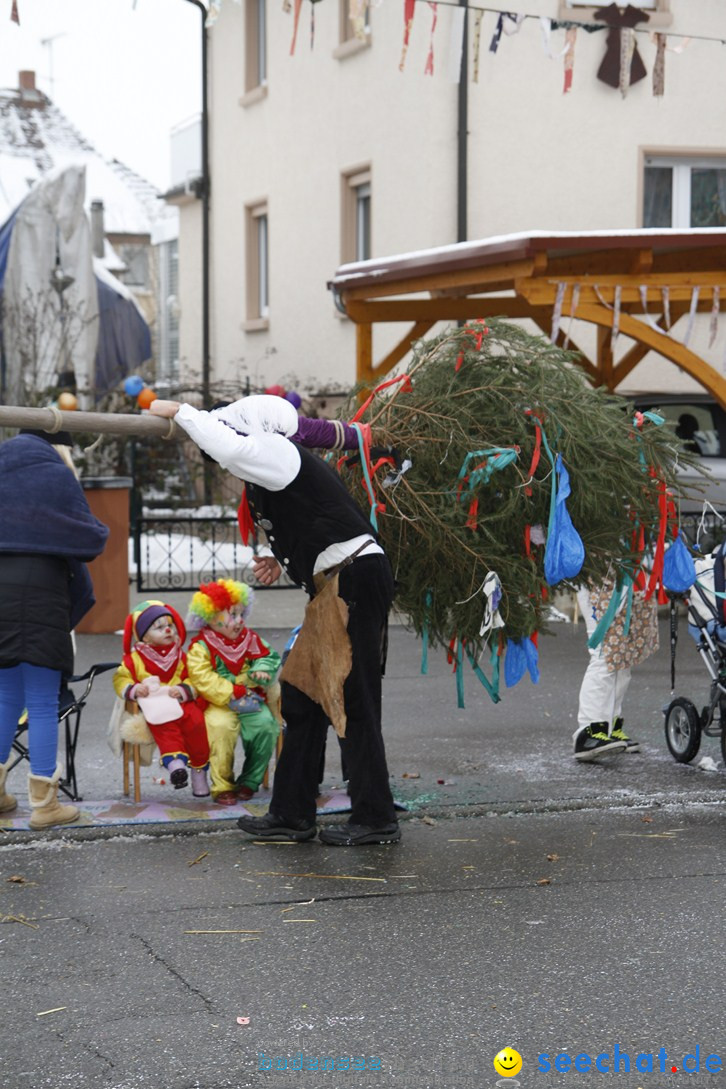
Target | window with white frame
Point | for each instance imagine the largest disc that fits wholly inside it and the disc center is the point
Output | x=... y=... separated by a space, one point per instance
x=684 y=191
x=255 y=44
x=356 y=215
x=258 y=266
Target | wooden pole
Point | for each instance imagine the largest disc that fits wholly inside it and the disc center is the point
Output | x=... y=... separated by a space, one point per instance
x=102 y=423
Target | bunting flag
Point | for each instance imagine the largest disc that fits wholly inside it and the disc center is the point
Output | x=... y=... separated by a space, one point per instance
x=666 y=296
x=691 y=315
x=573 y=310
x=296 y=20
x=616 y=315
x=508 y=22
x=429 y=69
x=715 y=309
x=557 y=312
x=569 y=64
x=627 y=48
x=476 y=43
x=409 y=8
x=659 y=66
x=14 y=16
x=456 y=44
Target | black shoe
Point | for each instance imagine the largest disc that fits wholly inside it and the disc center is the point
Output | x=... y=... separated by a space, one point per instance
x=356 y=835
x=273 y=827
x=179 y=778
x=631 y=745
x=594 y=742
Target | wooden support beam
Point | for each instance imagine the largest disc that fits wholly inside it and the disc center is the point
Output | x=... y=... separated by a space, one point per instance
x=543 y=292
x=438 y=309
x=397 y=353
x=605 y=356
x=364 y=353
x=506 y=272
x=670 y=349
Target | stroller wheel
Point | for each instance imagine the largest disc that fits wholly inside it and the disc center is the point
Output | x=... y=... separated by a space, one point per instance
x=682 y=730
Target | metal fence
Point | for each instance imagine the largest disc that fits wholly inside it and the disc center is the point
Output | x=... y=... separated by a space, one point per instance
x=180 y=552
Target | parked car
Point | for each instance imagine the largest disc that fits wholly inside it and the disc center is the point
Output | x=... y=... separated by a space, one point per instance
x=699 y=421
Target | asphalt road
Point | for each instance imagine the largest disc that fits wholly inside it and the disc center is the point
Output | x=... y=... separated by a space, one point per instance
x=128 y=962
x=533 y=903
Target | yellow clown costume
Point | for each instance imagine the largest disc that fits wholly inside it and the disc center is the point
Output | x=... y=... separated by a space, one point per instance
x=236 y=704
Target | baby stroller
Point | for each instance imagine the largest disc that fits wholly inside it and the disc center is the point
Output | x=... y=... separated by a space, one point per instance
x=706 y=604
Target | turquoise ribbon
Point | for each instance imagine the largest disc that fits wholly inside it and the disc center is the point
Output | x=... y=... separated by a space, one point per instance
x=366 y=475
x=492 y=686
x=498 y=457
x=425 y=635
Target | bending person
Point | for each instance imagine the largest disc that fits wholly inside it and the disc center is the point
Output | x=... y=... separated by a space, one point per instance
x=315 y=530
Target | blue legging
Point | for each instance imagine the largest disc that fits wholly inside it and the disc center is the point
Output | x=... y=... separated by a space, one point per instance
x=36 y=689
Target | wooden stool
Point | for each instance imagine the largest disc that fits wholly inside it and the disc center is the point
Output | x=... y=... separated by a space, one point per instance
x=130 y=752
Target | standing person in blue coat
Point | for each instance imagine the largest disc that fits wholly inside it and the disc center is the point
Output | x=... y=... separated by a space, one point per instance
x=47 y=533
x=316 y=531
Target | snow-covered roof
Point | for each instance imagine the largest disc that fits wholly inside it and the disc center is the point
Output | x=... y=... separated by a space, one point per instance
x=36 y=136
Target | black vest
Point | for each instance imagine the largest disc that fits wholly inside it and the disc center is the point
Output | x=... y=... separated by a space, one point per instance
x=301 y=520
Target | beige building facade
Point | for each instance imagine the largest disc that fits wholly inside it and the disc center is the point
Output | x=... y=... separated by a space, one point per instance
x=336 y=153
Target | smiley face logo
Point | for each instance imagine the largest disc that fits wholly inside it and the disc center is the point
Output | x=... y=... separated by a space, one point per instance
x=508 y=1062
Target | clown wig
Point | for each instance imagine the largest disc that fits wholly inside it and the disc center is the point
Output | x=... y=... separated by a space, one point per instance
x=213 y=598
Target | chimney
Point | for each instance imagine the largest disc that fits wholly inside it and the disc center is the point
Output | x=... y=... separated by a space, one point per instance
x=26 y=81
x=97 y=228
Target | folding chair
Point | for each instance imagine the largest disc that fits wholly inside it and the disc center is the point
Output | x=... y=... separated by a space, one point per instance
x=70 y=708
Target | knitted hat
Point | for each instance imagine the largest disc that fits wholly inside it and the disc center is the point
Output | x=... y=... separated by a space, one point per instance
x=143 y=616
x=216 y=597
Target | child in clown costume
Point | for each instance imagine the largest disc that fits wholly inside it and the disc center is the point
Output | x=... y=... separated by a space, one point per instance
x=153 y=637
x=232 y=667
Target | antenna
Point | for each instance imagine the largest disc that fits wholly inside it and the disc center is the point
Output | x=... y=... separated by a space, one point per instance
x=48 y=43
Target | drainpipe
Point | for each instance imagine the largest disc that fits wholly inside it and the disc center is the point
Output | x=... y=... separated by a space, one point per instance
x=462 y=135
x=204 y=194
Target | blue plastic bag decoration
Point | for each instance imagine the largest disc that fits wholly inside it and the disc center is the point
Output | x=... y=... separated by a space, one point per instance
x=564 y=551
x=679 y=570
x=521 y=654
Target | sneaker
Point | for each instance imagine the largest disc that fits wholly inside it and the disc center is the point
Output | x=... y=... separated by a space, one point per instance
x=594 y=741
x=273 y=827
x=357 y=835
x=631 y=745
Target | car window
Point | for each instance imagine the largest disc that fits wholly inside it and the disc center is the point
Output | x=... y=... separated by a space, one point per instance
x=700 y=426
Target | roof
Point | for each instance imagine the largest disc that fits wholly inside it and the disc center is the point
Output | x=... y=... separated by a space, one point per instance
x=667 y=247
x=36 y=136
x=625 y=282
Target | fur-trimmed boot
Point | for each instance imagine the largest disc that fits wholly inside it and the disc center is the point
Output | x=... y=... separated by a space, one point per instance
x=7 y=801
x=43 y=796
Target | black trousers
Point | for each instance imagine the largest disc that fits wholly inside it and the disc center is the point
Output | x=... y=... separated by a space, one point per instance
x=366 y=585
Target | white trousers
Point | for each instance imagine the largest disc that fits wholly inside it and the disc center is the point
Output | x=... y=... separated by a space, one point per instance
x=601 y=692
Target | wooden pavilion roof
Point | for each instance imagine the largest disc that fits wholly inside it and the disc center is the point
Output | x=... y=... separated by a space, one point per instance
x=600 y=277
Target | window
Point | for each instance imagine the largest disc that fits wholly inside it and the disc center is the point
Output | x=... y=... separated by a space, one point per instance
x=684 y=192
x=136 y=259
x=168 y=351
x=356 y=215
x=258 y=268
x=255 y=49
x=354 y=23
x=583 y=11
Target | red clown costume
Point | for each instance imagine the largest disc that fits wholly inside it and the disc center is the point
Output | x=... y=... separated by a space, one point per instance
x=181 y=741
